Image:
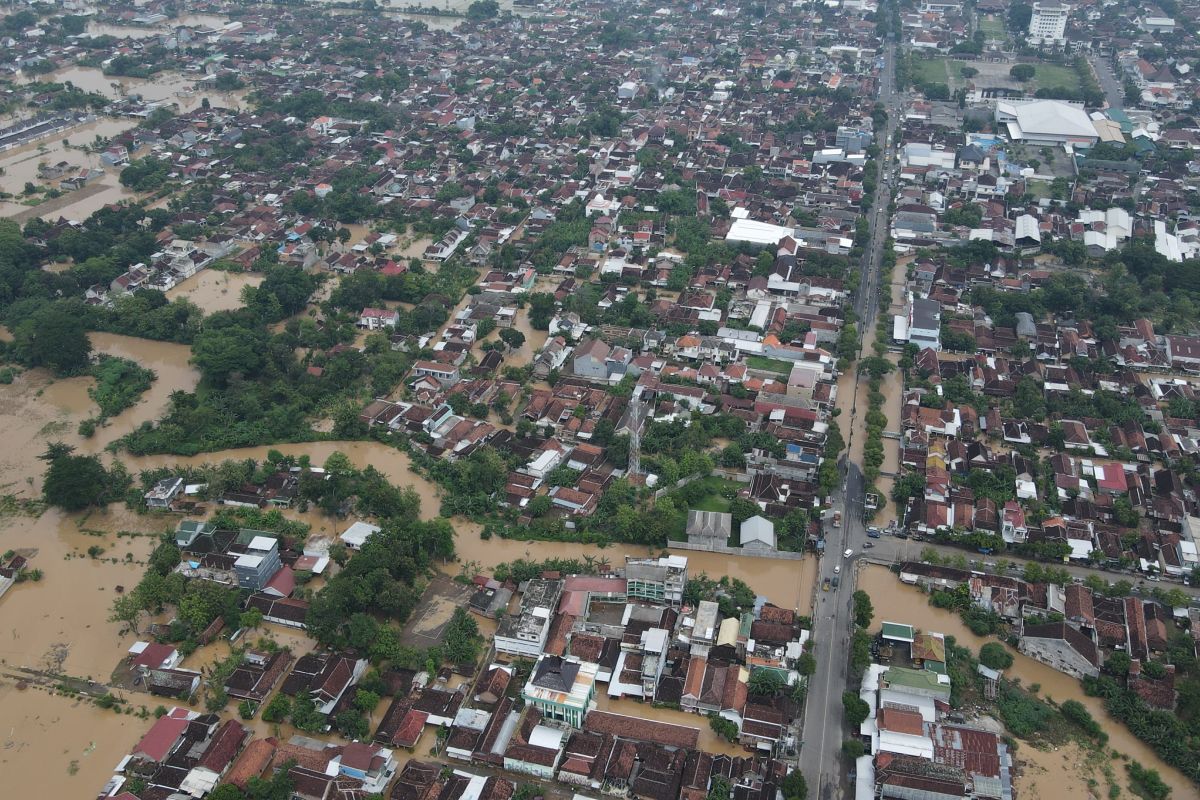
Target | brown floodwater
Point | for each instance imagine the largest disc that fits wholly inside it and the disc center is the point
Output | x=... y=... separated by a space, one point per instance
x=215 y=290
x=898 y=602
x=785 y=583
x=388 y=460
x=37 y=408
x=60 y=747
x=534 y=340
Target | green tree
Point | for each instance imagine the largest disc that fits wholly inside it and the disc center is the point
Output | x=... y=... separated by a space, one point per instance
x=794 y=787
x=278 y=709
x=55 y=338
x=853 y=748
x=995 y=656
x=1022 y=72
x=220 y=353
x=855 y=708
x=726 y=729
x=462 y=641
x=75 y=482
x=864 y=611
x=483 y=9
x=765 y=683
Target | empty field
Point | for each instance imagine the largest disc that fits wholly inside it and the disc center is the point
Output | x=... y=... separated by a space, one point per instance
x=992 y=27
x=1055 y=76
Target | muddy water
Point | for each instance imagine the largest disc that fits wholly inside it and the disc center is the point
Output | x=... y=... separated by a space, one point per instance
x=215 y=290
x=70 y=395
x=785 y=583
x=37 y=409
x=20 y=166
x=61 y=622
x=391 y=462
x=173 y=373
x=56 y=746
x=121 y=31
x=896 y=602
x=415 y=247
x=171 y=87
x=534 y=340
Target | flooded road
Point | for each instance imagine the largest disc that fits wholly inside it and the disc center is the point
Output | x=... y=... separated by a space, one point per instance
x=897 y=602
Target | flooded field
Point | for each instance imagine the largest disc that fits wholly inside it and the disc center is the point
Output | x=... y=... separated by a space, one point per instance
x=896 y=602
x=215 y=290
x=57 y=746
x=388 y=460
x=37 y=409
x=785 y=583
x=20 y=166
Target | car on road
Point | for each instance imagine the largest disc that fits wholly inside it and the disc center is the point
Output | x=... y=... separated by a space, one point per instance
x=835 y=581
x=873 y=533
x=837 y=569
x=825 y=585
x=849 y=552
x=868 y=545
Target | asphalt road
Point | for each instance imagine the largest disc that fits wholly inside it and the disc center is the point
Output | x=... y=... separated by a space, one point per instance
x=824 y=728
x=1113 y=91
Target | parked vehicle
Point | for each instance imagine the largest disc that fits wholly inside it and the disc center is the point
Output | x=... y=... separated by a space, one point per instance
x=868 y=545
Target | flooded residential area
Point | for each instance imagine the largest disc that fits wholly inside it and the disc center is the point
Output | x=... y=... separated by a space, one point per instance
x=498 y=400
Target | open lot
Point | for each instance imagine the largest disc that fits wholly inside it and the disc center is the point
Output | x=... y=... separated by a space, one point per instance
x=428 y=622
x=992 y=26
x=991 y=74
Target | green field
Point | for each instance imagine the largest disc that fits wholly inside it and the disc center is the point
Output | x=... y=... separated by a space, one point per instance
x=1055 y=76
x=938 y=70
x=992 y=27
x=931 y=70
x=714 y=498
x=775 y=365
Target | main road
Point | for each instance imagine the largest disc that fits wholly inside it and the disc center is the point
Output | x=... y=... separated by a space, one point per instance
x=824 y=730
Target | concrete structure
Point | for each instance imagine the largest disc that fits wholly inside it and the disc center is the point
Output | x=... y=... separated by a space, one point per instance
x=758 y=534
x=922 y=325
x=561 y=689
x=1062 y=647
x=524 y=634
x=1046 y=122
x=357 y=534
x=1048 y=24
x=709 y=527
x=258 y=564
x=660 y=580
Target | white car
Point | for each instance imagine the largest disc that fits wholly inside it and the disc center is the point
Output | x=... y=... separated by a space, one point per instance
x=837 y=569
x=848 y=553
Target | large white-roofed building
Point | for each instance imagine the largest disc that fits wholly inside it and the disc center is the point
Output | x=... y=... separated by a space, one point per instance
x=1046 y=122
x=754 y=232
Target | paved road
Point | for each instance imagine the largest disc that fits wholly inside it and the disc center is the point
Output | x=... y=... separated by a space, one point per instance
x=893 y=550
x=824 y=730
x=1113 y=90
